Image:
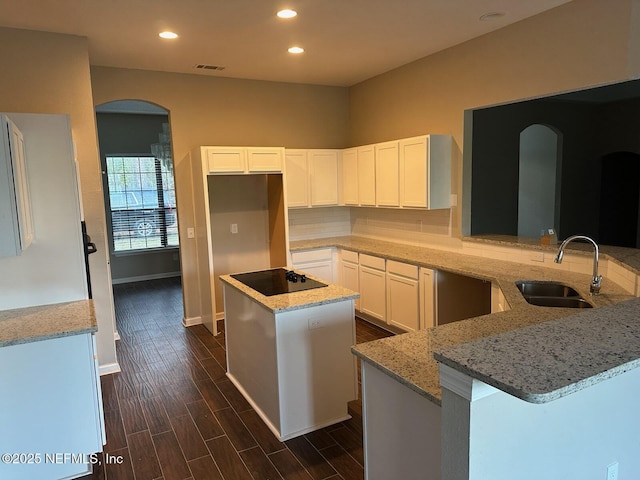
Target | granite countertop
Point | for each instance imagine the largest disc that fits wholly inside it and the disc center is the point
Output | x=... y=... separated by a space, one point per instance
x=296 y=300
x=409 y=358
x=543 y=362
x=32 y=324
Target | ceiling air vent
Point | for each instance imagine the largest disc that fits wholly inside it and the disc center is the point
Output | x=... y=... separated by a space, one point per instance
x=203 y=66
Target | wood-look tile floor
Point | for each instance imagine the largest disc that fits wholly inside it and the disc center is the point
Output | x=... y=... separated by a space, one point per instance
x=173 y=414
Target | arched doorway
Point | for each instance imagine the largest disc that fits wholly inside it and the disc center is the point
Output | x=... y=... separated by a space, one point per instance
x=619 y=197
x=139 y=187
x=538 y=180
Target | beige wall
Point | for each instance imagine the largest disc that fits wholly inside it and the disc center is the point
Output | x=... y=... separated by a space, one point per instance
x=580 y=44
x=206 y=110
x=49 y=73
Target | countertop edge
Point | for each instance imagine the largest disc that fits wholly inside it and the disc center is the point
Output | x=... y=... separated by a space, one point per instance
x=43 y=322
x=395 y=376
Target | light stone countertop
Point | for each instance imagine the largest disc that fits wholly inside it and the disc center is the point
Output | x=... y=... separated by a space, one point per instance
x=296 y=300
x=409 y=358
x=32 y=324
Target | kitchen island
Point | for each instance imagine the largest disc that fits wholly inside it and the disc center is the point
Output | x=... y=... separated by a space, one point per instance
x=289 y=354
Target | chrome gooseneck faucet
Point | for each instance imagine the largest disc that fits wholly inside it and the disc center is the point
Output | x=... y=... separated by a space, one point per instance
x=596 y=281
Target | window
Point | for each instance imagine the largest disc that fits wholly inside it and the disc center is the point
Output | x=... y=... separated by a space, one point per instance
x=142 y=203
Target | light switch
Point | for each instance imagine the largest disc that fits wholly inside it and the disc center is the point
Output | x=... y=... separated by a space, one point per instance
x=191 y=232
x=234 y=228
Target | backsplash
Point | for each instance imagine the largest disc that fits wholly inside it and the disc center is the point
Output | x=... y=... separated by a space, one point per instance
x=310 y=223
x=415 y=227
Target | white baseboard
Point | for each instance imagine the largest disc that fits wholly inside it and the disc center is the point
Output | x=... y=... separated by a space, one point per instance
x=191 y=321
x=142 y=278
x=109 y=368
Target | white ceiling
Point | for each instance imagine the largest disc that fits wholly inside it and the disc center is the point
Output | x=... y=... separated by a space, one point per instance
x=346 y=41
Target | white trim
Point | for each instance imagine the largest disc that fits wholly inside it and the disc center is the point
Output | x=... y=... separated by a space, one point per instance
x=463 y=385
x=142 y=278
x=109 y=368
x=191 y=321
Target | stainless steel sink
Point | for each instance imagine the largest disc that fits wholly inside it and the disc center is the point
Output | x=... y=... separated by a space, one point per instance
x=551 y=294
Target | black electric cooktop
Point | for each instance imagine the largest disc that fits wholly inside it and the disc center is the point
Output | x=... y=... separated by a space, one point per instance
x=277 y=281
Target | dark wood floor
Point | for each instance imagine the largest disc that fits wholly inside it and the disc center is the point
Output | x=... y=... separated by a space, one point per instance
x=173 y=414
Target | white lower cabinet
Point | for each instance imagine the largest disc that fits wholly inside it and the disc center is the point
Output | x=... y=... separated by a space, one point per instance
x=403 y=296
x=50 y=406
x=349 y=277
x=428 y=316
x=318 y=262
x=373 y=287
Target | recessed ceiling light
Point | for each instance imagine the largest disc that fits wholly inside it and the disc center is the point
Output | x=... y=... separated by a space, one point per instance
x=487 y=17
x=296 y=50
x=287 y=13
x=169 y=35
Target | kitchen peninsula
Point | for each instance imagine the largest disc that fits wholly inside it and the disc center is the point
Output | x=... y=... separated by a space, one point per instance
x=289 y=353
x=420 y=410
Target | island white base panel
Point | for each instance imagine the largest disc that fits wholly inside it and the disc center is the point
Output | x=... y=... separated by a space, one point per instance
x=401 y=430
x=274 y=429
x=294 y=367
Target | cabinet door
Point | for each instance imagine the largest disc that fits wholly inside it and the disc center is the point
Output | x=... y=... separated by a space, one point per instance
x=16 y=227
x=264 y=159
x=413 y=172
x=297 y=175
x=226 y=159
x=387 y=171
x=372 y=292
x=350 y=176
x=349 y=278
x=367 y=175
x=323 y=177
x=402 y=302
x=425 y=171
x=427 y=298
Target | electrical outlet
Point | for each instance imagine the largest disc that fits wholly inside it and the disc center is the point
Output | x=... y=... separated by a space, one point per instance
x=234 y=228
x=612 y=471
x=191 y=232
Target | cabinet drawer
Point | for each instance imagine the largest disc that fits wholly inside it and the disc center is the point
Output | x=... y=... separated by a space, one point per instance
x=403 y=269
x=349 y=256
x=372 y=262
x=311 y=255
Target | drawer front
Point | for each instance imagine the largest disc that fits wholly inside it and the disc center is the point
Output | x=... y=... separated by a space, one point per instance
x=311 y=255
x=349 y=256
x=403 y=269
x=373 y=262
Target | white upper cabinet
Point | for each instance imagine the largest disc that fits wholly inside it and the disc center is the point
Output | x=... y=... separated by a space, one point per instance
x=264 y=159
x=16 y=223
x=387 y=168
x=312 y=177
x=425 y=171
x=297 y=176
x=229 y=160
x=323 y=177
x=367 y=175
x=350 y=176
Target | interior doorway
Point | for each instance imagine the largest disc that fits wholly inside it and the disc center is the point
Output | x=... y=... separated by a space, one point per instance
x=139 y=191
x=538 y=181
x=619 y=198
